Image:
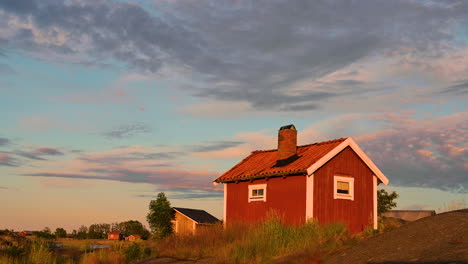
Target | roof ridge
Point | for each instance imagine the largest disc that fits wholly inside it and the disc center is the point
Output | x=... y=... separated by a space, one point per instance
x=307 y=145
x=188 y=209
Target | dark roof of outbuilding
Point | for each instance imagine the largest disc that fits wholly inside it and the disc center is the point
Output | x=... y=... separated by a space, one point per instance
x=199 y=216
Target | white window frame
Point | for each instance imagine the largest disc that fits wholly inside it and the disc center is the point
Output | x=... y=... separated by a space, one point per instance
x=257 y=187
x=337 y=195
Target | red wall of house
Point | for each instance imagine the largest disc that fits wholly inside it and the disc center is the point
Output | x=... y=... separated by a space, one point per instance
x=358 y=213
x=286 y=196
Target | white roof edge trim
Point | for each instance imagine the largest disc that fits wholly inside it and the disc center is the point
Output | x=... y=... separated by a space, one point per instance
x=185 y=215
x=351 y=143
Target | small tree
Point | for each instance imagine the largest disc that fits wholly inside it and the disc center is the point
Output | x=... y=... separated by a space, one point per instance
x=385 y=201
x=82 y=232
x=60 y=232
x=160 y=216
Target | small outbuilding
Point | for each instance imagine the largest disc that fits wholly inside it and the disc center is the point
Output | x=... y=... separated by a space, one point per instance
x=190 y=221
x=133 y=238
x=113 y=235
x=26 y=233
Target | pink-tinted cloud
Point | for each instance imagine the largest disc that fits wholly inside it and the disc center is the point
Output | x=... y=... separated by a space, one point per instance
x=134 y=164
x=7 y=160
x=427 y=153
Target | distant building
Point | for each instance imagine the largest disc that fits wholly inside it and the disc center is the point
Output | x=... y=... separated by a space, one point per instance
x=133 y=238
x=189 y=221
x=26 y=233
x=409 y=215
x=113 y=235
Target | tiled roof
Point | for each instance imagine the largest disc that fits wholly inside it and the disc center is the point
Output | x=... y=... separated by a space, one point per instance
x=199 y=216
x=264 y=163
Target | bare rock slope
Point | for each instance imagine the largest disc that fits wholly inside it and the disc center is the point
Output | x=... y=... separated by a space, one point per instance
x=442 y=238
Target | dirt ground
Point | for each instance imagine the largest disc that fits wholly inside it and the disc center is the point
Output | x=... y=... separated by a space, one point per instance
x=174 y=261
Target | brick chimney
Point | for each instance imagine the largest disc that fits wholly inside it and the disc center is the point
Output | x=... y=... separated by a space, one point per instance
x=287 y=142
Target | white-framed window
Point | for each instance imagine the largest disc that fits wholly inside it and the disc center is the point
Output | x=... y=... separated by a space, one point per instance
x=343 y=187
x=257 y=192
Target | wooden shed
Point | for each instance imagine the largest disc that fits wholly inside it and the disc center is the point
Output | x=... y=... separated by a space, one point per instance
x=331 y=181
x=133 y=238
x=189 y=221
x=113 y=235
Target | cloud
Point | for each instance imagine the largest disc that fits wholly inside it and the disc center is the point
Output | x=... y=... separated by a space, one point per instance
x=236 y=53
x=162 y=167
x=421 y=153
x=8 y=161
x=4 y=141
x=168 y=178
x=38 y=154
x=214 y=145
x=33 y=155
x=458 y=89
x=182 y=194
x=49 y=151
x=126 y=131
x=25 y=6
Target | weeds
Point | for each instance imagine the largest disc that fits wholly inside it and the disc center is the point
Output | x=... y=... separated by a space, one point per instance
x=254 y=243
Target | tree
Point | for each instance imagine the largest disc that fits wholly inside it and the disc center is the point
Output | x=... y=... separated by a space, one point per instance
x=98 y=231
x=160 y=216
x=82 y=232
x=45 y=233
x=132 y=227
x=385 y=201
x=60 y=232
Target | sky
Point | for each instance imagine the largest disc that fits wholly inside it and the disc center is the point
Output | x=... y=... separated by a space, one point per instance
x=104 y=104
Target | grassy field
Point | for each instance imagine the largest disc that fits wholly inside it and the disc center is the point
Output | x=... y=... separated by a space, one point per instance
x=238 y=243
x=15 y=249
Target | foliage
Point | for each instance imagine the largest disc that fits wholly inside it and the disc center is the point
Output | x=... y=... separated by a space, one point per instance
x=82 y=232
x=385 y=201
x=120 y=252
x=255 y=243
x=60 y=232
x=98 y=231
x=131 y=227
x=160 y=216
x=45 y=233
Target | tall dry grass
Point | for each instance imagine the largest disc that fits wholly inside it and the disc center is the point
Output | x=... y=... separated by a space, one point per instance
x=254 y=243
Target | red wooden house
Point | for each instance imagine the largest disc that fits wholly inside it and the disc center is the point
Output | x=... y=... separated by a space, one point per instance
x=331 y=181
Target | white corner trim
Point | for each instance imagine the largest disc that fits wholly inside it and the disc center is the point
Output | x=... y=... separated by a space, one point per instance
x=374 y=191
x=257 y=186
x=351 y=143
x=337 y=195
x=225 y=204
x=309 y=197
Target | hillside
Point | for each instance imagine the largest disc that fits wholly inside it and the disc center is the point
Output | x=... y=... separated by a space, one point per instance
x=441 y=238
